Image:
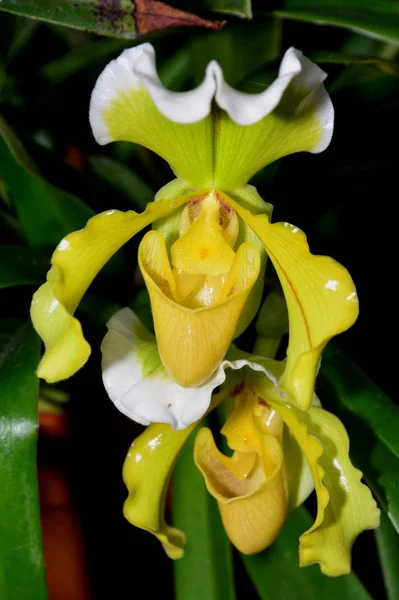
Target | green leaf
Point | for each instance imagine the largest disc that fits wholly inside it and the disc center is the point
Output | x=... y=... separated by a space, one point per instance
x=118 y=19
x=45 y=212
x=362 y=397
x=16 y=148
x=10 y=223
x=371 y=420
x=127 y=182
x=377 y=19
x=337 y=58
x=21 y=561
x=258 y=43
x=80 y=58
x=238 y=8
x=174 y=71
x=24 y=30
x=205 y=572
x=113 y=19
x=21 y=265
x=272 y=320
x=355 y=43
x=276 y=572
x=369 y=84
x=388 y=550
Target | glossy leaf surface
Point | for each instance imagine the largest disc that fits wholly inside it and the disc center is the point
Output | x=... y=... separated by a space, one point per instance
x=388 y=549
x=337 y=58
x=377 y=19
x=21 y=561
x=277 y=568
x=123 y=19
x=45 y=212
x=238 y=8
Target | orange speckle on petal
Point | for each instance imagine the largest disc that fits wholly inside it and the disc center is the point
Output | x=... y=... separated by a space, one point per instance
x=204 y=253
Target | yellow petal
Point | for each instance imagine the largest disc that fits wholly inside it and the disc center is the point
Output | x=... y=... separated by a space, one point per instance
x=196 y=291
x=250 y=419
x=75 y=262
x=193 y=342
x=320 y=295
x=252 y=505
x=154 y=258
x=244 y=271
x=203 y=249
x=227 y=217
x=345 y=505
x=250 y=486
x=146 y=473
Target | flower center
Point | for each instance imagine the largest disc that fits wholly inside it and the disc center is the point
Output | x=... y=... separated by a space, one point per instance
x=249 y=421
x=203 y=255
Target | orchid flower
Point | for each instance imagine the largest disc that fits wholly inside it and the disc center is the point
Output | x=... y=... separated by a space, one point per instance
x=203 y=264
x=280 y=452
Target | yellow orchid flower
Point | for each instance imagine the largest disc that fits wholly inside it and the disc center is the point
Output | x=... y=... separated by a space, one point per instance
x=203 y=264
x=280 y=454
x=204 y=260
x=260 y=483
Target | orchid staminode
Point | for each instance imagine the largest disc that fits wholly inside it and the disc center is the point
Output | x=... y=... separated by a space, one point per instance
x=203 y=264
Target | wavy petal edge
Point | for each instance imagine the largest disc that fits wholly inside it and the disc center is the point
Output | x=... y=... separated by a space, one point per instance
x=74 y=264
x=325 y=444
x=139 y=386
x=136 y=68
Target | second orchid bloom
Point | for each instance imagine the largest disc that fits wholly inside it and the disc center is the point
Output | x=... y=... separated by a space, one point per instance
x=203 y=264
